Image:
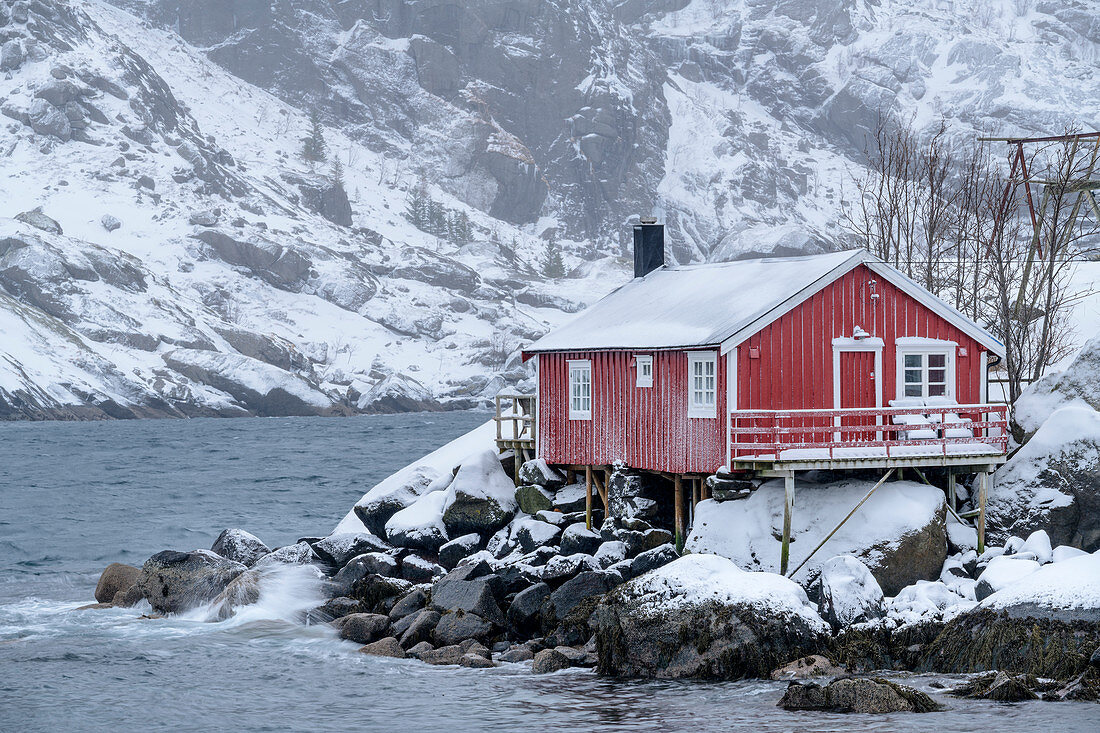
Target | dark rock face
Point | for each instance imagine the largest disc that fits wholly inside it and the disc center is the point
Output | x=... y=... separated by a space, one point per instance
x=576 y=538
x=708 y=640
x=178 y=581
x=417 y=628
x=538 y=473
x=857 y=695
x=118 y=581
x=336 y=608
x=636 y=496
x=457 y=627
x=330 y=201
x=523 y=613
x=413 y=601
x=549 y=660
x=470 y=596
x=1017 y=641
x=238 y=545
x=379 y=594
x=1000 y=687
x=388 y=647
x=38 y=220
x=362 y=628
x=454 y=551
x=563 y=601
x=917 y=555
x=338 y=549
x=533 y=499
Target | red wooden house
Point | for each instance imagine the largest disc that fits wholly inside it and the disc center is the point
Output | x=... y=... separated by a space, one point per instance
x=826 y=361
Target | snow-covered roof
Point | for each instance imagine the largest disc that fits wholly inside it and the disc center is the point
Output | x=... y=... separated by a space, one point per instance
x=722 y=303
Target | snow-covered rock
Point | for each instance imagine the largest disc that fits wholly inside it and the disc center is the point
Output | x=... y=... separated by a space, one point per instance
x=339 y=547
x=532 y=533
x=1070 y=588
x=396 y=493
x=481 y=498
x=926 y=601
x=236 y=544
x=1052 y=483
x=420 y=525
x=846 y=592
x=899 y=533
x=1002 y=572
x=702 y=616
x=297 y=554
x=536 y=472
x=1077 y=385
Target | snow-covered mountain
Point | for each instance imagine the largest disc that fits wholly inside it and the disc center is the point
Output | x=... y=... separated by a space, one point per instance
x=165 y=248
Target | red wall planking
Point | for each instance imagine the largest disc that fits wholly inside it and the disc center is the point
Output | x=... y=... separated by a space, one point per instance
x=644 y=427
x=648 y=427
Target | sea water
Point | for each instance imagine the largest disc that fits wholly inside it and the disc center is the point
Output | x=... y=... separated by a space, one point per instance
x=77 y=496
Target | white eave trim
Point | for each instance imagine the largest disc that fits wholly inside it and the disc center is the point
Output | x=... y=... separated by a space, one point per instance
x=937 y=306
x=794 y=301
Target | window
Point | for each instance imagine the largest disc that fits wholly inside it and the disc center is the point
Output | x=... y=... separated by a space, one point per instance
x=702 y=385
x=580 y=390
x=644 y=365
x=926 y=368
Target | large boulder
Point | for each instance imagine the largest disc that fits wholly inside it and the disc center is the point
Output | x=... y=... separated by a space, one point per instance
x=523 y=613
x=362 y=628
x=119 y=582
x=899 y=533
x=174 y=581
x=46 y=119
x=635 y=495
x=578 y=538
x=458 y=591
x=481 y=498
x=397 y=492
x=571 y=498
x=1046 y=623
x=297 y=554
x=454 y=628
x=338 y=549
x=533 y=533
x=857 y=695
x=1051 y=483
x=1078 y=385
x=1002 y=572
x=236 y=544
x=533 y=499
x=846 y=592
x=453 y=552
x=569 y=607
x=701 y=616
x=538 y=473
x=420 y=525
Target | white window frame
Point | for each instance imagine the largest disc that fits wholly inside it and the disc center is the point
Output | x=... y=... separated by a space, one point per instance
x=644 y=371
x=576 y=368
x=702 y=409
x=850 y=344
x=924 y=347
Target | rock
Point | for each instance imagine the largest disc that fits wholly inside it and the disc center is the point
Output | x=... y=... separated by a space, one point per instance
x=572 y=593
x=533 y=533
x=1038 y=543
x=551 y=517
x=578 y=539
x=453 y=552
x=388 y=647
x=549 y=660
x=444 y=655
x=46 y=119
x=412 y=601
x=701 y=616
x=298 y=554
x=59 y=92
x=117 y=578
x=516 y=654
x=1053 y=482
x=571 y=498
x=475 y=661
x=899 y=533
x=418 y=570
x=379 y=563
x=377 y=593
x=173 y=581
x=609 y=553
x=536 y=472
x=420 y=525
x=652 y=559
x=460 y=626
x=419 y=650
x=1000 y=572
x=1075 y=386
x=481 y=497
x=523 y=613
x=533 y=499
x=635 y=495
x=336 y=608
x=369 y=564
x=204 y=218
x=417 y=627
x=110 y=223
x=653 y=538
x=814 y=665
x=362 y=628
x=724 y=489
x=244 y=590
x=38 y=220
x=470 y=596
x=562 y=567
x=857 y=695
x=846 y=592
x=338 y=549
x=1009 y=689
x=11 y=55
x=238 y=545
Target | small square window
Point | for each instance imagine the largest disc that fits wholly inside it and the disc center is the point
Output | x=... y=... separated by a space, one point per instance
x=644 y=365
x=925 y=374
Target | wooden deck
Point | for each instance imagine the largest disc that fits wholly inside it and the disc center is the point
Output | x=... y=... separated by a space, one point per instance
x=516 y=420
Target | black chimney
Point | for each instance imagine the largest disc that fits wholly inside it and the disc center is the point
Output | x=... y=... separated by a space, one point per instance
x=649 y=246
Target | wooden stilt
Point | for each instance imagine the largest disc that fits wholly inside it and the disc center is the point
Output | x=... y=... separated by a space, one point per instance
x=983 y=487
x=588 y=497
x=788 y=508
x=694 y=495
x=951 y=493
x=570 y=477
x=704 y=489
x=605 y=489
x=678 y=498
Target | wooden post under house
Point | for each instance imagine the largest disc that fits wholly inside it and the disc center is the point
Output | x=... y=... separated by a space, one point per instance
x=983 y=487
x=678 y=499
x=952 y=501
x=588 y=497
x=788 y=508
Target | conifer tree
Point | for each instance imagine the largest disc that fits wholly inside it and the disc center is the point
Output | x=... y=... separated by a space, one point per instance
x=416 y=210
x=553 y=266
x=314 y=148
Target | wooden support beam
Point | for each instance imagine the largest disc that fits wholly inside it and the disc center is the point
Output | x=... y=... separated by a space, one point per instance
x=788 y=508
x=705 y=489
x=983 y=487
x=694 y=495
x=588 y=497
x=570 y=476
x=602 y=485
x=678 y=499
x=952 y=493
